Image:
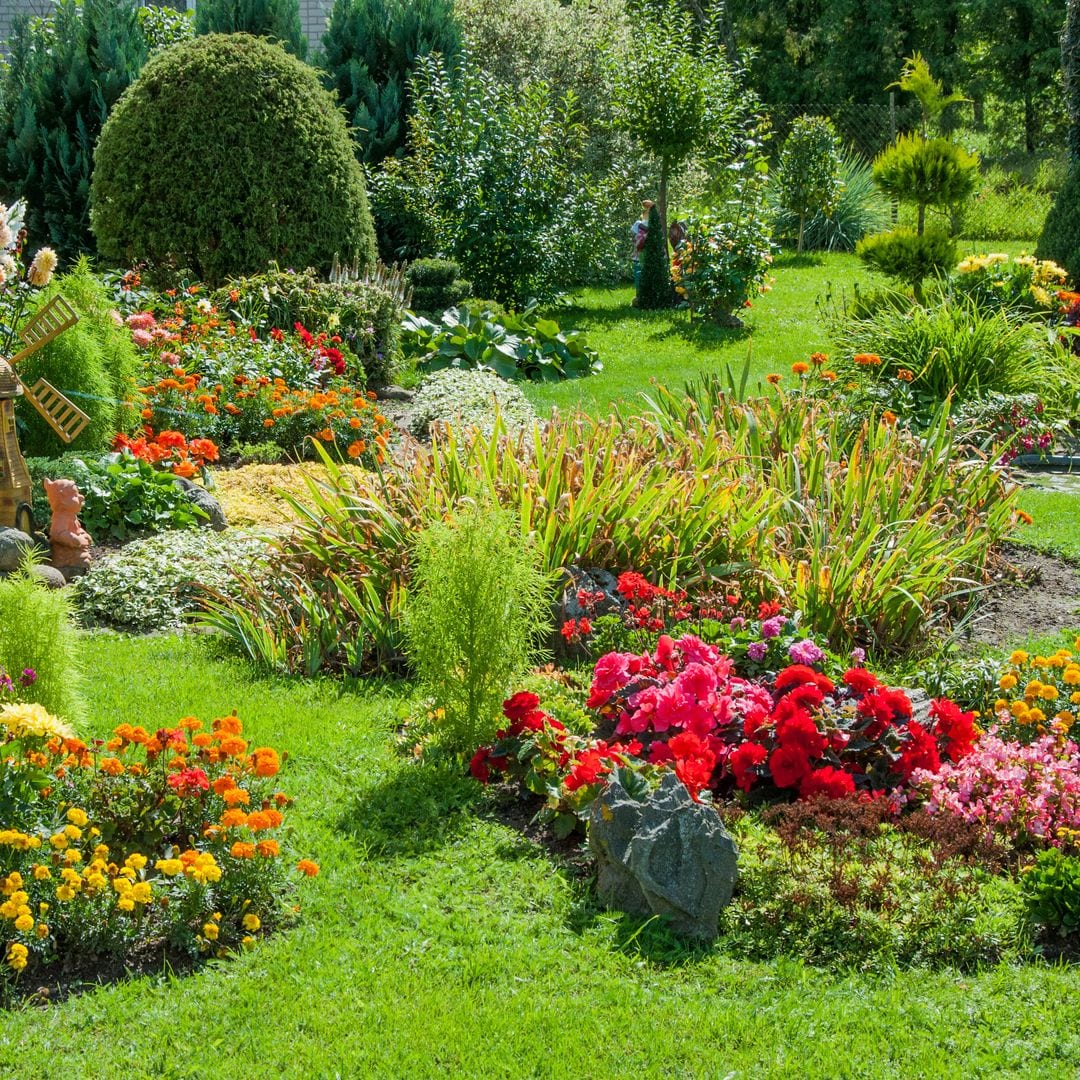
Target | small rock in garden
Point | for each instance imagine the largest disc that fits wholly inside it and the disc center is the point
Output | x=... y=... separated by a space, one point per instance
x=590 y=579
x=667 y=855
x=200 y=497
x=51 y=577
x=14 y=545
x=393 y=393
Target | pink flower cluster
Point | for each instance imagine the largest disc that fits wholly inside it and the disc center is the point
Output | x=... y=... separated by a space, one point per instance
x=1022 y=793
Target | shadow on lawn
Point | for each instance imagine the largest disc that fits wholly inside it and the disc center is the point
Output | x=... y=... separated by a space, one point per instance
x=418 y=808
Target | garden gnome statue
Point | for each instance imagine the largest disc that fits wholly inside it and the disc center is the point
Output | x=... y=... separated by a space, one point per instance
x=69 y=541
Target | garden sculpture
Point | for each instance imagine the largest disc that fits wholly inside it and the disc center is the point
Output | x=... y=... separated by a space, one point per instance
x=66 y=419
x=69 y=541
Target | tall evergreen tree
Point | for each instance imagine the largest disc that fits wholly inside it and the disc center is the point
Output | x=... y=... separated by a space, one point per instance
x=655 y=288
x=65 y=73
x=278 y=20
x=369 y=50
x=1070 y=67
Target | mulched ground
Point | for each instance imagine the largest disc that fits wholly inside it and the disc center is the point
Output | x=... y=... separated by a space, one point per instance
x=1042 y=597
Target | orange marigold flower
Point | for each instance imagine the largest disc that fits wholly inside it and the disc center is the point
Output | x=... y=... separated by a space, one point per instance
x=147 y=414
x=234 y=818
x=265 y=761
x=818 y=359
x=223 y=784
x=231 y=409
x=829 y=376
x=355 y=422
x=905 y=374
x=888 y=417
x=773 y=380
x=228 y=725
x=276 y=817
x=257 y=821
x=236 y=796
x=326 y=435
x=865 y=359
x=357 y=448
x=800 y=368
x=268 y=423
x=1024 y=517
x=307 y=867
x=241 y=850
x=202 y=739
x=233 y=745
x=268 y=849
x=111 y=766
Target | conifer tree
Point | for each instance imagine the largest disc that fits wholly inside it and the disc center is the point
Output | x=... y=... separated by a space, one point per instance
x=278 y=20
x=65 y=73
x=655 y=288
x=369 y=50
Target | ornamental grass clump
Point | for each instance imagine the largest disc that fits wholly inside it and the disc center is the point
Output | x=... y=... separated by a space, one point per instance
x=477 y=612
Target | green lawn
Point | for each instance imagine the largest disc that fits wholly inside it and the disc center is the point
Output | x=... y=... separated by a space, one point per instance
x=1056 y=527
x=437 y=942
x=637 y=347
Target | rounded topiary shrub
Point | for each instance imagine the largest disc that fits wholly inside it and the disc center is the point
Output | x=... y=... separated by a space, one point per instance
x=225 y=155
x=469 y=398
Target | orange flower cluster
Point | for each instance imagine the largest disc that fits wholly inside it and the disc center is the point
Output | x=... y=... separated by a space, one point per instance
x=170 y=449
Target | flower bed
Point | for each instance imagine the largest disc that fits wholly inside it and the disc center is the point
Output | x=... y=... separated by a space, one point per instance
x=164 y=841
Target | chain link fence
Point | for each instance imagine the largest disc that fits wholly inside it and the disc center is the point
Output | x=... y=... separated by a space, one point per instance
x=865 y=128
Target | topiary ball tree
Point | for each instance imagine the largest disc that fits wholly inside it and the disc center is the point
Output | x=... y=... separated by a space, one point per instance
x=226 y=155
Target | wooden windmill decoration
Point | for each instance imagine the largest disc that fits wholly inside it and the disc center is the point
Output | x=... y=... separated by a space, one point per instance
x=65 y=418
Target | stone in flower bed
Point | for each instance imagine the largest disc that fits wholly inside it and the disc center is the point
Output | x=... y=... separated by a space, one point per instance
x=667 y=855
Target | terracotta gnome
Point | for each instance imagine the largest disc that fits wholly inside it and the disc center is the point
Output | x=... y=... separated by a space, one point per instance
x=69 y=541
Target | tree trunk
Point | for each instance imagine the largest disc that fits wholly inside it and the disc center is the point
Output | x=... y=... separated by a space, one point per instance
x=922 y=218
x=1029 y=122
x=1070 y=67
x=802 y=230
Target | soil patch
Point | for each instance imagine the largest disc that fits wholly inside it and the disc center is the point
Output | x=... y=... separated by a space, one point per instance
x=1040 y=597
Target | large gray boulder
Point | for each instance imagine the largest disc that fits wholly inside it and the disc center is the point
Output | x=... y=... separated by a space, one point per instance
x=666 y=855
x=14 y=546
x=200 y=497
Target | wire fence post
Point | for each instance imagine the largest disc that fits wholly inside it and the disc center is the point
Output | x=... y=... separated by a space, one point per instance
x=892 y=139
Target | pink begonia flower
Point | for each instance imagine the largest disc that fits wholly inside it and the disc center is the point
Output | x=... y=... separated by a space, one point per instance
x=805 y=652
x=142 y=338
x=142 y=320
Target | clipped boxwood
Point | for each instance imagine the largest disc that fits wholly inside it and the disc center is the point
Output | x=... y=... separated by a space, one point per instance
x=225 y=155
x=436 y=284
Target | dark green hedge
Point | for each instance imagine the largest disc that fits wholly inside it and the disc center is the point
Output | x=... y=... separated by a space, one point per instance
x=227 y=155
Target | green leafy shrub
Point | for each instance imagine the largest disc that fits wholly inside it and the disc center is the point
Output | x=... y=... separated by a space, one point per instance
x=94 y=363
x=36 y=632
x=366 y=316
x=859 y=211
x=926 y=172
x=156 y=583
x=368 y=52
x=513 y=346
x=909 y=256
x=468 y=399
x=63 y=76
x=436 y=284
x=1060 y=238
x=278 y=20
x=808 y=171
x=654 y=288
x=126 y=496
x=164 y=26
x=479 y=604
x=493 y=180
x=261 y=166
x=1051 y=888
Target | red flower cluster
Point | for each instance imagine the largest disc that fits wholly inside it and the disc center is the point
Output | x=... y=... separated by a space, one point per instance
x=169 y=449
x=330 y=356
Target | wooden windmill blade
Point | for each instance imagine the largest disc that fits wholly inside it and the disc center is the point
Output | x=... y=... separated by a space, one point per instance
x=53 y=319
x=61 y=414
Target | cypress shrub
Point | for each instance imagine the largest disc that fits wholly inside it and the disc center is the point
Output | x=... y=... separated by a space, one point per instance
x=64 y=75
x=1060 y=238
x=225 y=156
x=278 y=20
x=369 y=50
x=655 y=288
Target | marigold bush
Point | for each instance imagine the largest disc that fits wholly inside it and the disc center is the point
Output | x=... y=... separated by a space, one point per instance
x=164 y=840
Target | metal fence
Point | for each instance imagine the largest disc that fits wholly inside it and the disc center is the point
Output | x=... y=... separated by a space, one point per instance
x=865 y=128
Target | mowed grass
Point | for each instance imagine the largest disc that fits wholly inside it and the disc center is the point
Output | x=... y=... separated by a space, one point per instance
x=640 y=347
x=437 y=942
x=1055 y=529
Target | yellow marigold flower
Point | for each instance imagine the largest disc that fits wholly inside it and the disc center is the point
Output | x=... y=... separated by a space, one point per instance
x=247 y=941
x=1074 y=698
x=122 y=885
x=77 y=816
x=41 y=873
x=65 y=892
x=58 y=841
x=252 y=922
x=73 y=832
x=210 y=931
x=1071 y=675
x=135 y=861
x=17 y=956
x=1049 y=693
x=141 y=892
x=1036 y=716
x=1020 y=657
x=169 y=867
x=1007 y=682
x=72 y=855
x=42 y=930
x=125 y=903
x=1018 y=709
x=1000 y=704
x=24 y=923
x=1033 y=689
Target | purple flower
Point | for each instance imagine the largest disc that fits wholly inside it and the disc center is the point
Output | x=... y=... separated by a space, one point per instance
x=771 y=627
x=28 y=677
x=858 y=655
x=805 y=652
x=737 y=624
x=756 y=651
